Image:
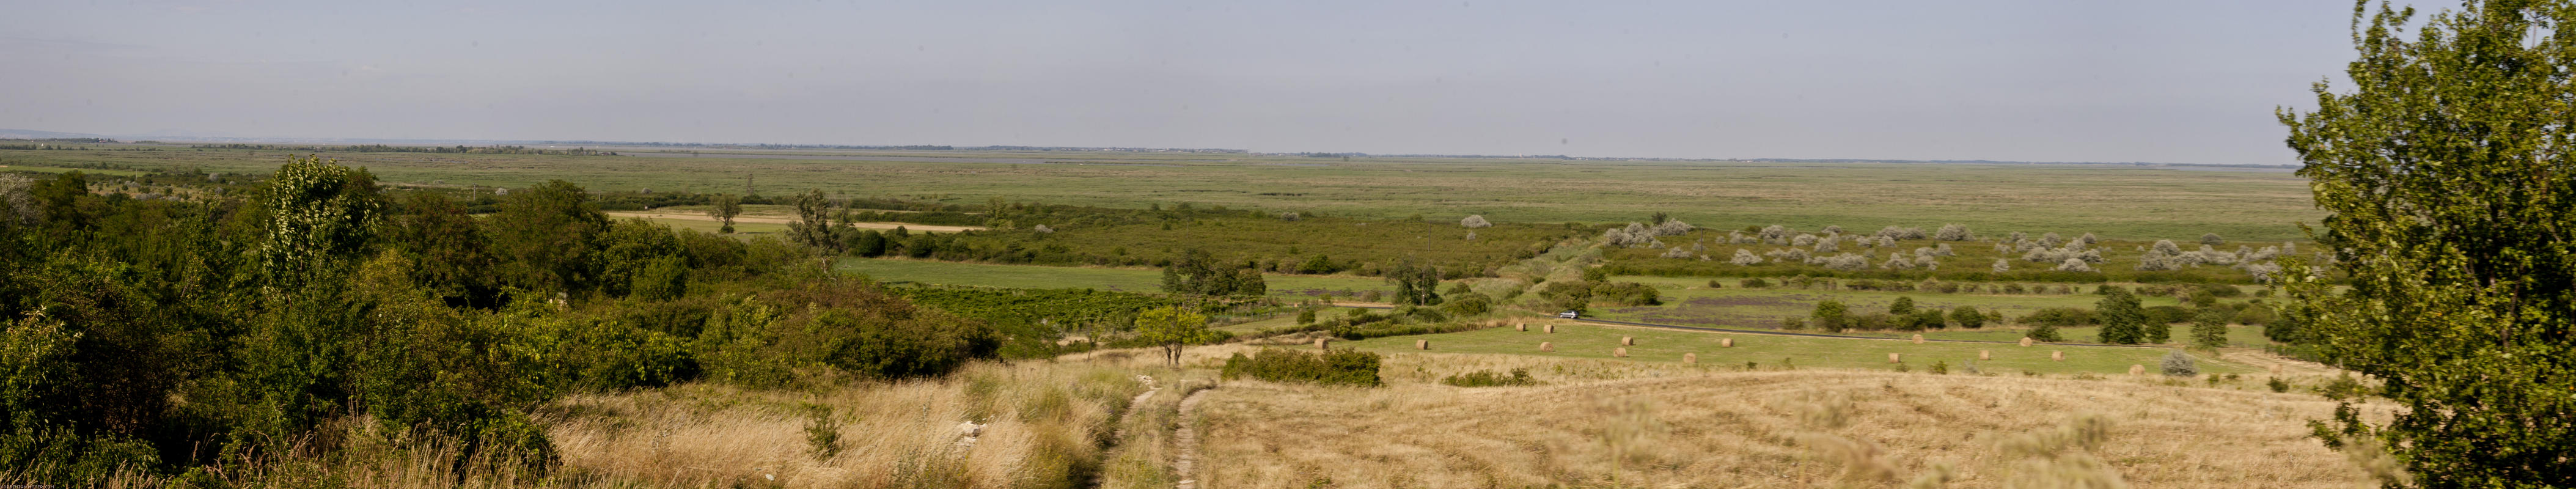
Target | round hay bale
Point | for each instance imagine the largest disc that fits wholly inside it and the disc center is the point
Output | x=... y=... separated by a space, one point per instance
x=2135 y=369
x=1524 y=327
x=1985 y=355
x=2025 y=341
x=1546 y=347
x=1324 y=343
x=1619 y=352
x=1690 y=358
x=1627 y=341
x=2057 y=356
x=1726 y=342
x=1918 y=339
x=1894 y=358
x=1551 y=329
x=1422 y=344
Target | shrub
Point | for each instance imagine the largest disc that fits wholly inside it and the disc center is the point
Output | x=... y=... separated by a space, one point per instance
x=1902 y=306
x=1871 y=321
x=1337 y=367
x=1468 y=304
x=1926 y=318
x=1941 y=367
x=2179 y=364
x=1847 y=262
x=1952 y=232
x=1306 y=316
x=2045 y=332
x=823 y=435
x=2074 y=265
x=1968 y=317
x=2211 y=239
x=2277 y=384
x=1474 y=222
x=1775 y=233
x=1793 y=323
x=1831 y=316
x=1671 y=227
x=1489 y=378
x=2254 y=314
x=1714 y=284
x=1627 y=294
x=1755 y=283
x=1745 y=257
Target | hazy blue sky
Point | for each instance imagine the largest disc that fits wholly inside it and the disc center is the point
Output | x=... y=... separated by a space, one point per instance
x=2184 y=81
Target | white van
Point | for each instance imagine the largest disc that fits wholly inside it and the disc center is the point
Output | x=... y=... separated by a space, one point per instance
x=1569 y=315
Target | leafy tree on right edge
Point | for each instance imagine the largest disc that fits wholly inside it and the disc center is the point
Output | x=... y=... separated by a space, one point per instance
x=2447 y=173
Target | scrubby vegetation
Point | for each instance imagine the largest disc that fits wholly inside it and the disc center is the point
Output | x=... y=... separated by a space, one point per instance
x=161 y=336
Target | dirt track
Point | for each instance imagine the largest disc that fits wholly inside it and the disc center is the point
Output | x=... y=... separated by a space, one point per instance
x=782 y=220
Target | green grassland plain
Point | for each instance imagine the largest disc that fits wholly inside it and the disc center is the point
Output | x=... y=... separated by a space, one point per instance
x=2115 y=201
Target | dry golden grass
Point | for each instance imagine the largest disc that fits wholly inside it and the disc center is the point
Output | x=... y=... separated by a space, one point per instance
x=1087 y=419
x=1043 y=424
x=1669 y=425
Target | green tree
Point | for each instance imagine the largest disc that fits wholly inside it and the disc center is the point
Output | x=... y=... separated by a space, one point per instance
x=1903 y=306
x=1172 y=329
x=451 y=256
x=724 y=207
x=813 y=225
x=1197 y=273
x=2450 y=195
x=548 y=234
x=2209 y=328
x=2123 y=322
x=1416 y=285
x=320 y=214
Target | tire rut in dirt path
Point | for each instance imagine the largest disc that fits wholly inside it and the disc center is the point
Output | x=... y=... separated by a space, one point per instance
x=1185 y=443
x=1132 y=406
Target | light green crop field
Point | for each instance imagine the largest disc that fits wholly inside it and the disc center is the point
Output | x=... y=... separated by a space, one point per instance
x=2120 y=202
x=1117 y=279
x=1689 y=302
x=1666 y=345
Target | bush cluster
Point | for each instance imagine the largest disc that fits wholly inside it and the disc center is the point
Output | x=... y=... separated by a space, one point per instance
x=1337 y=367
